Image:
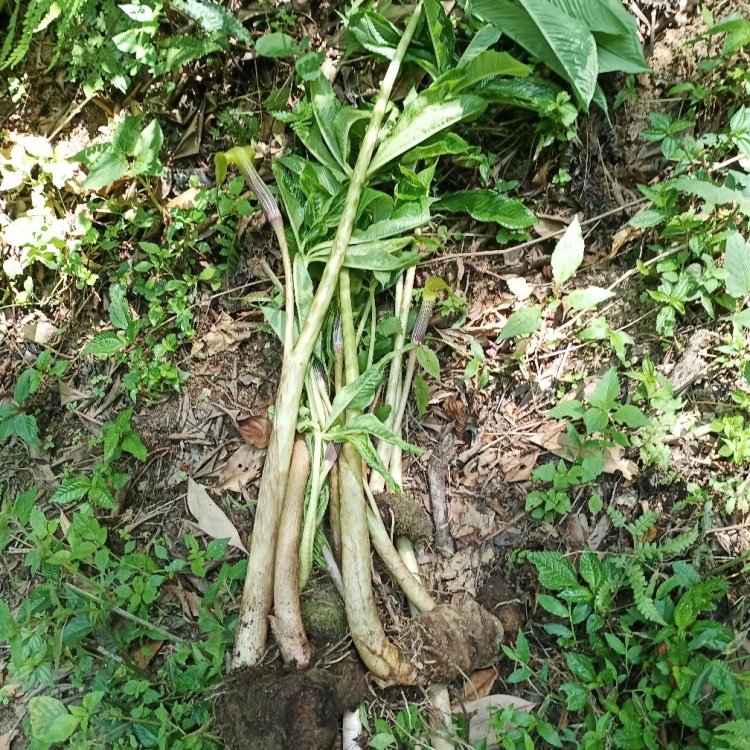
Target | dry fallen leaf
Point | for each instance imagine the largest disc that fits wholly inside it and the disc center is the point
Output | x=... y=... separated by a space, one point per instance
x=211 y=518
x=480 y=683
x=623 y=235
x=69 y=395
x=40 y=333
x=143 y=656
x=519 y=469
x=7 y=738
x=241 y=467
x=255 y=430
x=480 y=711
x=225 y=336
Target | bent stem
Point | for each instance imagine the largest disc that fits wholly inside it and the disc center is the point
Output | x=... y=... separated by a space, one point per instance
x=257 y=599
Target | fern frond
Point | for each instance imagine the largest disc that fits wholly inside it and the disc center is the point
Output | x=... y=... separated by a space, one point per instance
x=36 y=11
x=70 y=13
x=213 y=19
x=617 y=517
x=300 y=119
x=643 y=602
x=176 y=51
x=682 y=543
x=11 y=34
x=640 y=526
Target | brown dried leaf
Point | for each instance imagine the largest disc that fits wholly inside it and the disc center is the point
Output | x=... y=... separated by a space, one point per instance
x=225 y=336
x=456 y=410
x=211 y=518
x=622 y=236
x=519 y=469
x=40 y=333
x=143 y=656
x=69 y=395
x=255 y=430
x=7 y=738
x=185 y=199
x=242 y=467
x=480 y=683
x=480 y=711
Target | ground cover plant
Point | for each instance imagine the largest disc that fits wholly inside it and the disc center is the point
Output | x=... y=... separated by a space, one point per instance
x=430 y=381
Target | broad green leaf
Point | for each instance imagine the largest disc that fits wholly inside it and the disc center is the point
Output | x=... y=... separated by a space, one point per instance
x=359 y=394
x=119 y=310
x=737 y=266
x=71 y=489
x=489 y=206
x=371 y=457
x=441 y=33
x=568 y=253
x=588 y=298
x=555 y=571
x=303 y=288
x=741 y=319
x=572 y=408
x=522 y=322
x=104 y=345
x=108 y=168
x=482 y=40
x=562 y=43
x=553 y=606
x=334 y=120
x=420 y=120
x=713 y=194
x=308 y=66
x=24 y=425
x=126 y=135
x=371 y=425
x=631 y=416
x=381 y=256
x=421 y=394
x=406 y=218
x=50 y=720
x=28 y=382
x=146 y=153
x=449 y=143
x=489 y=64
x=293 y=200
x=132 y=444
x=276 y=44
x=213 y=18
x=606 y=391
x=428 y=361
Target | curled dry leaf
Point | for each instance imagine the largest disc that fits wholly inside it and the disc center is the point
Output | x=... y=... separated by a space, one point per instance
x=211 y=518
x=7 y=738
x=241 y=468
x=69 y=395
x=479 y=683
x=225 y=336
x=519 y=469
x=255 y=430
x=41 y=332
x=143 y=656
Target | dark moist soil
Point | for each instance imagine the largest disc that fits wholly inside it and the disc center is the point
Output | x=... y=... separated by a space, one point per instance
x=494 y=427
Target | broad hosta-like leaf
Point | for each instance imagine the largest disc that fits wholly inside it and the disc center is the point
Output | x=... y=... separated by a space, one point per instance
x=370 y=424
x=489 y=64
x=421 y=119
x=482 y=40
x=737 y=266
x=381 y=255
x=489 y=206
x=561 y=42
x=276 y=44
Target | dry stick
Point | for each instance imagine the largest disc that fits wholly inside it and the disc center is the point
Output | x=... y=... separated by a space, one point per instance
x=287 y=620
x=257 y=595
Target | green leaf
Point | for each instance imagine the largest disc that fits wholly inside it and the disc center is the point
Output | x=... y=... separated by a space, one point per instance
x=50 y=720
x=370 y=424
x=552 y=605
x=107 y=168
x=24 y=425
x=555 y=571
x=607 y=390
x=381 y=255
x=548 y=733
x=489 y=206
x=631 y=416
x=542 y=29
x=421 y=394
x=105 y=345
x=441 y=33
x=711 y=193
x=522 y=322
x=428 y=361
x=581 y=667
x=568 y=253
x=359 y=394
x=483 y=39
x=592 y=570
x=126 y=135
x=28 y=383
x=71 y=489
x=146 y=154
x=133 y=444
x=595 y=420
x=485 y=65
x=737 y=266
x=421 y=119
x=308 y=66
x=119 y=310
x=588 y=298
x=213 y=18
x=571 y=408
x=276 y=44
x=371 y=458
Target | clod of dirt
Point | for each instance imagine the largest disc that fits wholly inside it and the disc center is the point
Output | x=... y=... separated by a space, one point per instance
x=498 y=596
x=268 y=709
x=409 y=518
x=323 y=612
x=453 y=640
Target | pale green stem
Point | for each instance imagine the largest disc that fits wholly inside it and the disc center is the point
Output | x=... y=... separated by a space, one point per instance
x=311 y=517
x=257 y=597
